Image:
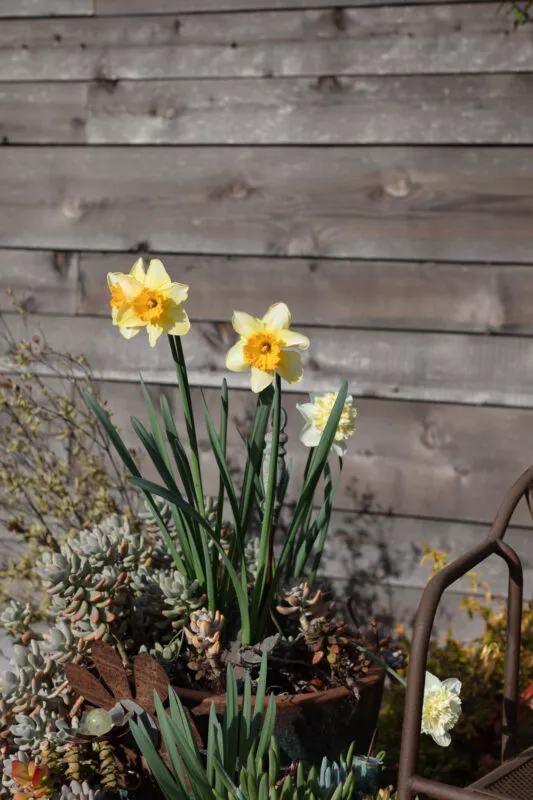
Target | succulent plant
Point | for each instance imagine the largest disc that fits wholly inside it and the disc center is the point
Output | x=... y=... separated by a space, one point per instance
x=60 y=643
x=203 y=633
x=203 y=637
x=303 y=603
x=327 y=639
x=98 y=577
x=7 y=784
x=182 y=597
x=32 y=681
x=16 y=618
x=148 y=520
x=251 y=557
x=28 y=732
x=79 y=791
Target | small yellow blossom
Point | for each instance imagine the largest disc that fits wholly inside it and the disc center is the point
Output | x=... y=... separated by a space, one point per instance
x=316 y=415
x=148 y=299
x=262 y=347
x=442 y=708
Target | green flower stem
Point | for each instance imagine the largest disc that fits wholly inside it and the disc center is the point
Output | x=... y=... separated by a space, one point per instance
x=290 y=567
x=183 y=381
x=266 y=546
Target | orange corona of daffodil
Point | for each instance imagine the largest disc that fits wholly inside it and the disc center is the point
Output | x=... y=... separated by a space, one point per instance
x=33 y=779
x=148 y=299
x=263 y=345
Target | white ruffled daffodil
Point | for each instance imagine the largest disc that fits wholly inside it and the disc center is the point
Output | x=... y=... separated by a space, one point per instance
x=148 y=299
x=316 y=415
x=262 y=347
x=442 y=708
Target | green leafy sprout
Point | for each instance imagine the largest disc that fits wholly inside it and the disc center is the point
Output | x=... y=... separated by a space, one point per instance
x=196 y=548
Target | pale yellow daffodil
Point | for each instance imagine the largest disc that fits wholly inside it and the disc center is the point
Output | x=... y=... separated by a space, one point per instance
x=148 y=299
x=442 y=708
x=316 y=415
x=262 y=347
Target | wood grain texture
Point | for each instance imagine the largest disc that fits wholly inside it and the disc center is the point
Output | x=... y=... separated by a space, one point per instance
x=43 y=113
x=439 y=367
x=424 y=460
x=386 y=549
x=443 y=109
x=171 y=6
x=41 y=282
x=45 y=8
x=445 y=38
x=367 y=294
x=369 y=202
x=395 y=294
x=456 y=109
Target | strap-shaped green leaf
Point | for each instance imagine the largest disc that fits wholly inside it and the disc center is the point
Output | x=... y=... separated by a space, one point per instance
x=164 y=778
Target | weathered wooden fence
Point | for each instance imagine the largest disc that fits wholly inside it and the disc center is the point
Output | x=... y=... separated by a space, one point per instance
x=370 y=164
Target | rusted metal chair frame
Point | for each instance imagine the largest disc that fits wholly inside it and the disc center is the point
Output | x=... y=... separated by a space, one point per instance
x=409 y=783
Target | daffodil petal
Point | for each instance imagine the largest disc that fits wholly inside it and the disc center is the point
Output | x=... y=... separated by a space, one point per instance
x=261 y=379
x=293 y=339
x=156 y=276
x=339 y=448
x=130 y=286
x=431 y=683
x=453 y=684
x=154 y=332
x=277 y=317
x=310 y=436
x=129 y=333
x=137 y=271
x=442 y=739
x=290 y=366
x=127 y=317
x=306 y=410
x=235 y=358
x=245 y=324
x=180 y=324
x=178 y=292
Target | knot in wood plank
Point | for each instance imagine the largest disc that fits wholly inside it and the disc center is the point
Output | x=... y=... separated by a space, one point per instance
x=397 y=185
x=236 y=189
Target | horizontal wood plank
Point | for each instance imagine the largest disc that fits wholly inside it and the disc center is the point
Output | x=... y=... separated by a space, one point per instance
x=386 y=549
x=39 y=282
x=444 y=109
x=455 y=297
x=369 y=202
x=450 y=38
x=420 y=460
x=365 y=294
x=45 y=8
x=456 y=109
x=391 y=605
x=43 y=113
x=200 y=6
x=377 y=363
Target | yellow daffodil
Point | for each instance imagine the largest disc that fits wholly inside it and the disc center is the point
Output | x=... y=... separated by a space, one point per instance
x=148 y=299
x=316 y=415
x=442 y=708
x=262 y=347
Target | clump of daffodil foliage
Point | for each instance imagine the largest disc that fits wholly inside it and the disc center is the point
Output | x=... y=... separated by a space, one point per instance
x=248 y=585
x=475 y=746
x=198 y=588
x=58 y=474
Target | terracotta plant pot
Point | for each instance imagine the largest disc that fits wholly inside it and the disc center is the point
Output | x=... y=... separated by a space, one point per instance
x=310 y=726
